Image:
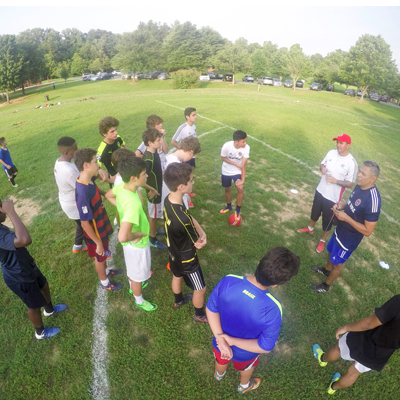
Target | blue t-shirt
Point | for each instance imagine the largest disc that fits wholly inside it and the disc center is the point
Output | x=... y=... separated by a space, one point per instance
x=363 y=205
x=17 y=264
x=246 y=312
x=5 y=156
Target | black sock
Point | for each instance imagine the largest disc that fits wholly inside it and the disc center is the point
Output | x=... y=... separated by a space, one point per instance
x=322 y=358
x=178 y=297
x=49 y=308
x=229 y=205
x=199 y=312
x=238 y=210
x=153 y=239
x=326 y=285
x=12 y=181
x=40 y=330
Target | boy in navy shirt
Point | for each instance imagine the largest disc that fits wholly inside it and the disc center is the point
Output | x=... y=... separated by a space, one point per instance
x=358 y=220
x=9 y=168
x=245 y=318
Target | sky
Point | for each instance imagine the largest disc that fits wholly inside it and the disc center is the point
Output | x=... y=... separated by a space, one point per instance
x=317 y=29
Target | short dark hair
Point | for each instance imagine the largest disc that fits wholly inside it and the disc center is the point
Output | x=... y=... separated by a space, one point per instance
x=82 y=156
x=239 y=135
x=177 y=174
x=106 y=124
x=119 y=154
x=375 y=170
x=188 y=111
x=190 y=143
x=130 y=166
x=277 y=267
x=66 y=141
x=150 y=135
x=153 y=120
x=2 y=140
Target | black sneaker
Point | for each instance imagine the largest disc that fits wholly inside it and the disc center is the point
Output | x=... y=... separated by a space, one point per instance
x=322 y=271
x=321 y=288
x=186 y=299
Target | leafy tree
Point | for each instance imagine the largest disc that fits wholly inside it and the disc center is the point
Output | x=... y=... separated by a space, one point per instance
x=233 y=57
x=258 y=63
x=78 y=65
x=211 y=43
x=10 y=64
x=316 y=59
x=279 y=60
x=369 y=63
x=63 y=71
x=296 y=63
x=185 y=79
x=96 y=65
x=269 y=50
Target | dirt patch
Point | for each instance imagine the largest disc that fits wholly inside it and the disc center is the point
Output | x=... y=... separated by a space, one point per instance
x=14 y=101
x=346 y=287
x=262 y=209
x=288 y=214
x=283 y=349
x=26 y=210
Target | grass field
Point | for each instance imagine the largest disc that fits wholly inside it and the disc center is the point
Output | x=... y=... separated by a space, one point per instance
x=165 y=354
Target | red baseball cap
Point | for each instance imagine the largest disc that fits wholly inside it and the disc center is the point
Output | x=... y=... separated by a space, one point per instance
x=343 y=138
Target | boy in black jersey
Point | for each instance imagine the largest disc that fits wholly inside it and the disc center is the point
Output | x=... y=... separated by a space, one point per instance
x=184 y=237
x=112 y=141
x=152 y=139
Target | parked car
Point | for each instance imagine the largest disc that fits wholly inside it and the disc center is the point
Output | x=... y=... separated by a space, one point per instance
x=316 y=86
x=128 y=75
x=88 y=77
x=164 y=75
x=265 y=80
x=288 y=83
x=248 y=78
x=137 y=75
x=276 y=82
x=228 y=78
x=96 y=78
x=154 y=74
x=359 y=93
x=350 y=92
x=219 y=76
x=299 y=84
x=106 y=76
x=204 y=77
x=330 y=87
x=116 y=72
x=211 y=75
x=384 y=98
x=374 y=96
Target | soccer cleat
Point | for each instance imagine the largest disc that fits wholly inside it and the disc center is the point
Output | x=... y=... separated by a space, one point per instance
x=168 y=267
x=159 y=245
x=320 y=247
x=47 y=333
x=217 y=376
x=15 y=185
x=113 y=286
x=322 y=271
x=114 y=272
x=305 y=230
x=200 y=319
x=147 y=306
x=336 y=376
x=225 y=210
x=144 y=284
x=57 y=309
x=191 y=205
x=318 y=354
x=321 y=288
x=160 y=232
x=253 y=384
x=78 y=248
x=192 y=194
x=116 y=223
x=186 y=299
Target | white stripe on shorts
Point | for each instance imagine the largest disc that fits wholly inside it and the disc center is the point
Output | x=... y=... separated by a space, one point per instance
x=196 y=280
x=345 y=354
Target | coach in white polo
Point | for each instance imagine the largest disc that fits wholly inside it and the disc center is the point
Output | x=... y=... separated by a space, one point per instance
x=339 y=171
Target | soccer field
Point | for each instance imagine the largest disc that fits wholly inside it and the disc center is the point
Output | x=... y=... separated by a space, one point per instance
x=165 y=354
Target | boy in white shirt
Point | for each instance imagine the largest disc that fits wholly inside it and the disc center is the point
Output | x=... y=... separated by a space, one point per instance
x=234 y=155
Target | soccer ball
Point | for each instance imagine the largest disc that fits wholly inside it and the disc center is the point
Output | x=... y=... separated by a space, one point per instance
x=235 y=221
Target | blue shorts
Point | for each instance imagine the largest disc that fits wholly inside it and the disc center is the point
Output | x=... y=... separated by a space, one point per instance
x=338 y=255
x=227 y=180
x=191 y=162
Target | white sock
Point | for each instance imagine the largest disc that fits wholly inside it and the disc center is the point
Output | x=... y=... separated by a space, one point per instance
x=105 y=283
x=322 y=240
x=245 y=386
x=139 y=299
x=310 y=229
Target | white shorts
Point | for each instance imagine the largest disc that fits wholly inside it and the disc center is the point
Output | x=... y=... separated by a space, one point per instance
x=155 y=210
x=138 y=262
x=345 y=354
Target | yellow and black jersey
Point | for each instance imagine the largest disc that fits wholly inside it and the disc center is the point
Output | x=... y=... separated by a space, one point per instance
x=105 y=151
x=154 y=172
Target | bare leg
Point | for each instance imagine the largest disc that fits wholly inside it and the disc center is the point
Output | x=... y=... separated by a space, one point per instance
x=198 y=297
x=35 y=317
x=228 y=195
x=101 y=269
x=347 y=379
x=245 y=376
x=220 y=368
x=136 y=287
x=329 y=264
x=176 y=284
x=332 y=354
x=46 y=292
x=324 y=235
x=153 y=226
x=311 y=223
x=335 y=272
x=240 y=194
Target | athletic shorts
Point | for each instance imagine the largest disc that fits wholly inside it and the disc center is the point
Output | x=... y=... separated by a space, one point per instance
x=193 y=277
x=11 y=171
x=30 y=293
x=239 y=365
x=226 y=180
x=92 y=251
x=345 y=354
x=323 y=206
x=191 y=162
x=338 y=255
x=155 y=210
x=138 y=262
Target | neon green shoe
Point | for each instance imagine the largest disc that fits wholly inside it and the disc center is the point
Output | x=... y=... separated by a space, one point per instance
x=144 y=284
x=335 y=378
x=147 y=306
x=318 y=354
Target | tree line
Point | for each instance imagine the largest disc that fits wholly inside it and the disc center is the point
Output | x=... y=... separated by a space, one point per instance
x=38 y=53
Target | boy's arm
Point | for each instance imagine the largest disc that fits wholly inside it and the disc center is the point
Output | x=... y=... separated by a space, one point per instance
x=91 y=233
x=224 y=159
x=6 y=165
x=164 y=145
x=240 y=182
x=244 y=344
x=138 y=154
x=125 y=233
x=214 y=320
x=202 y=241
x=175 y=143
x=364 y=324
x=22 y=237
x=110 y=196
x=151 y=192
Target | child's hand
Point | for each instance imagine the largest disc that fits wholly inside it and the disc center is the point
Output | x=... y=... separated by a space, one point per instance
x=152 y=193
x=224 y=348
x=341 y=331
x=229 y=339
x=141 y=235
x=103 y=175
x=7 y=206
x=202 y=241
x=239 y=183
x=100 y=249
x=7 y=166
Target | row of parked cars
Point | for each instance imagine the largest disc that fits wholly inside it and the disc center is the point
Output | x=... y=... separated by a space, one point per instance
x=156 y=74
x=372 y=95
x=100 y=76
x=208 y=76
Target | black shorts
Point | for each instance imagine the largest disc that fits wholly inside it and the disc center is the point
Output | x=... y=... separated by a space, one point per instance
x=323 y=206
x=191 y=162
x=192 y=275
x=11 y=171
x=30 y=293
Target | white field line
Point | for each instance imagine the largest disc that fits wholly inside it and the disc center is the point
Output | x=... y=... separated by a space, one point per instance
x=99 y=388
x=391 y=219
x=379 y=126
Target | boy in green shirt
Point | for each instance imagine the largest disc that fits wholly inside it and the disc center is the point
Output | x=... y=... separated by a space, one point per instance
x=134 y=226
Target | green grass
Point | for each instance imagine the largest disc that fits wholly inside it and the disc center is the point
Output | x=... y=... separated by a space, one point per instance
x=165 y=354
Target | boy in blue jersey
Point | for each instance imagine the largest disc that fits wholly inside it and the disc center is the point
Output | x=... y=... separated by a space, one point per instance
x=245 y=318
x=358 y=220
x=9 y=168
